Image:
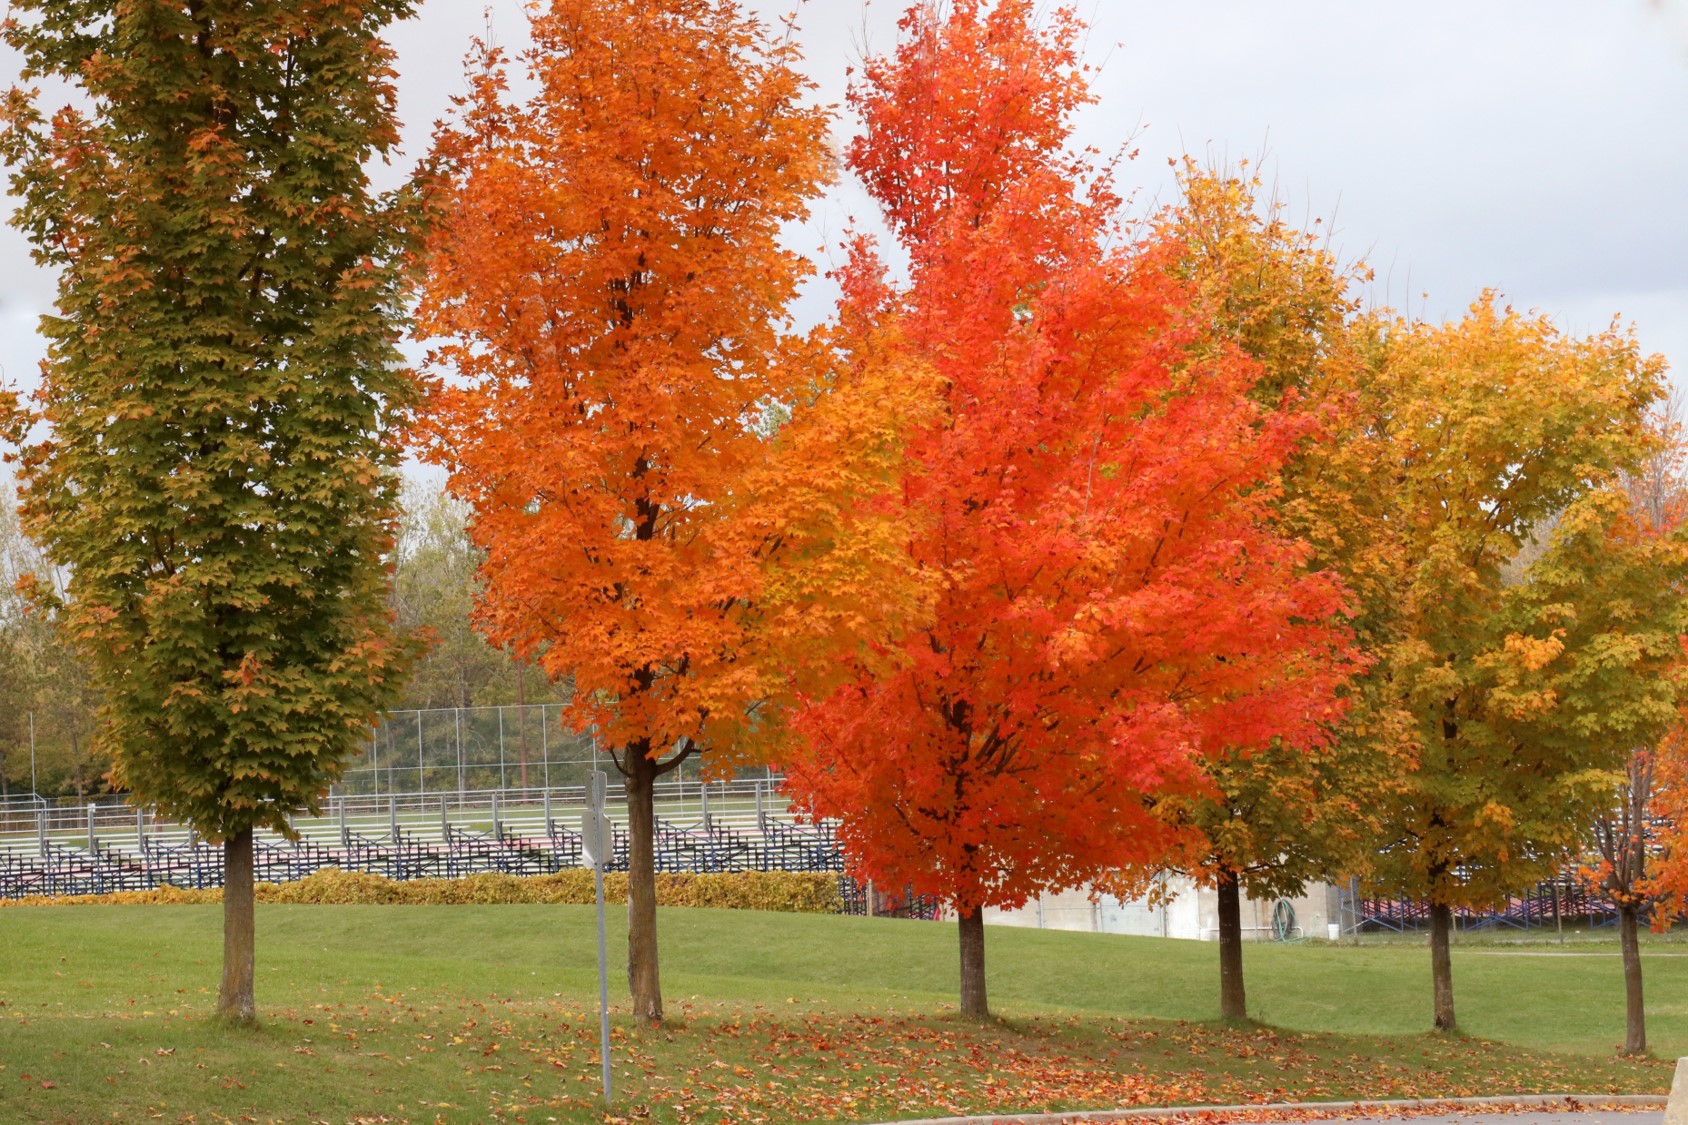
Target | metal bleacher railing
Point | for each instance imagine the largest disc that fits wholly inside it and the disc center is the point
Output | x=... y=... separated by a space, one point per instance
x=97 y=848
x=59 y=849
x=1553 y=902
x=447 y=793
x=456 y=792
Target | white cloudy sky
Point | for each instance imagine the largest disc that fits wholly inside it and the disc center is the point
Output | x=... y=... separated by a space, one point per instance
x=1536 y=146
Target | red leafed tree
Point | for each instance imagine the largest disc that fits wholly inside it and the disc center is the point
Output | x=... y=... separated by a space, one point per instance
x=1089 y=504
x=606 y=276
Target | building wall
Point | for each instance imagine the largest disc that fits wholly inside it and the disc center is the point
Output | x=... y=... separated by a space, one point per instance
x=1192 y=913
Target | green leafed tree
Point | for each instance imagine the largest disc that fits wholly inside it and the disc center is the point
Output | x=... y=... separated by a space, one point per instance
x=219 y=394
x=434 y=589
x=1537 y=630
x=47 y=701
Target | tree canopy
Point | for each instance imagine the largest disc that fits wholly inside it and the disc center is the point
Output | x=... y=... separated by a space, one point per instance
x=607 y=280
x=220 y=389
x=1088 y=504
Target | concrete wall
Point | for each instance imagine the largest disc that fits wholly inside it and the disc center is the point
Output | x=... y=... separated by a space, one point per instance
x=1191 y=914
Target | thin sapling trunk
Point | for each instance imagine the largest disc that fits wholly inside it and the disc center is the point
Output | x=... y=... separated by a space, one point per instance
x=971 y=925
x=643 y=976
x=1441 y=964
x=1233 y=1003
x=235 y=1001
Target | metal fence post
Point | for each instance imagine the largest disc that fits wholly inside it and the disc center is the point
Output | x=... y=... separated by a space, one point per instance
x=421 y=767
x=93 y=841
x=457 y=723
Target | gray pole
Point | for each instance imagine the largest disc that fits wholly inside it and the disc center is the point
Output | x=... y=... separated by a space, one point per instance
x=33 y=787
x=603 y=984
x=457 y=723
x=421 y=768
x=601 y=856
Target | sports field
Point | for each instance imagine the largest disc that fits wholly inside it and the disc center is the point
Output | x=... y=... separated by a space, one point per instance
x=470 y=1014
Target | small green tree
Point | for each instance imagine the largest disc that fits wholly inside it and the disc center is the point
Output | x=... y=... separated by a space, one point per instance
x=1536 y=638
x=47 y=700
x=219 y=393
x=435 y=583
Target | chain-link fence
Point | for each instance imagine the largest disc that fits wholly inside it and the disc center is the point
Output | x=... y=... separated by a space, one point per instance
x=475 y=749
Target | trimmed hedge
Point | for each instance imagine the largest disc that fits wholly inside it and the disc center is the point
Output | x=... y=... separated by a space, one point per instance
x=781 y=891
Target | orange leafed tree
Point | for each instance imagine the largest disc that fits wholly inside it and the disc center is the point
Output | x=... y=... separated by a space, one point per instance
x=607 y=284
x=1088 y=503
x=1638 y=856
x=1653 y=811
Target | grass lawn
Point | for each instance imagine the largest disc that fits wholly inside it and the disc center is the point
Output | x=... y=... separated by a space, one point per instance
x=474 y=1014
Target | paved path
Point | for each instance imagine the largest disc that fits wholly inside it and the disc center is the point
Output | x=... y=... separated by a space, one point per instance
x=1557 y=1117
x=1648 y=954
x=1649 y=1112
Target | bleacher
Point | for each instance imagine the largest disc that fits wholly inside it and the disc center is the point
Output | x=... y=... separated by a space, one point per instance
x=111 y=847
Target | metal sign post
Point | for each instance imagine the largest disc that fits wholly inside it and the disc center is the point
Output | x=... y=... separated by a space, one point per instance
x=597 y=841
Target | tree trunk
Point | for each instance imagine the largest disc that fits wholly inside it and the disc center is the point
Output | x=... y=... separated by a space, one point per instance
x=1441 y=964
x=971 y=925
x=1635 y=1033
x=643 y=979
x=234 y=999
x=1233 y=1004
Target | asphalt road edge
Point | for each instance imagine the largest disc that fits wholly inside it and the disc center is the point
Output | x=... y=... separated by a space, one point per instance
x=1572 y=1102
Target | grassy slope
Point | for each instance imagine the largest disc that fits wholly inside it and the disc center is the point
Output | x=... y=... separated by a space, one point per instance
x=369 y=1008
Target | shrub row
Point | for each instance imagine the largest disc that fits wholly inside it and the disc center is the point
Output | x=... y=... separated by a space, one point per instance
x=786 y=892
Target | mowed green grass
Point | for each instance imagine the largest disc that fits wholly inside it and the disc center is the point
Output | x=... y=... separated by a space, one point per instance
x=463 y=1014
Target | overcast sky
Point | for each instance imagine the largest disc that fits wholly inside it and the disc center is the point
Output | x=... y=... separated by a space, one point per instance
x=1535 y=146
